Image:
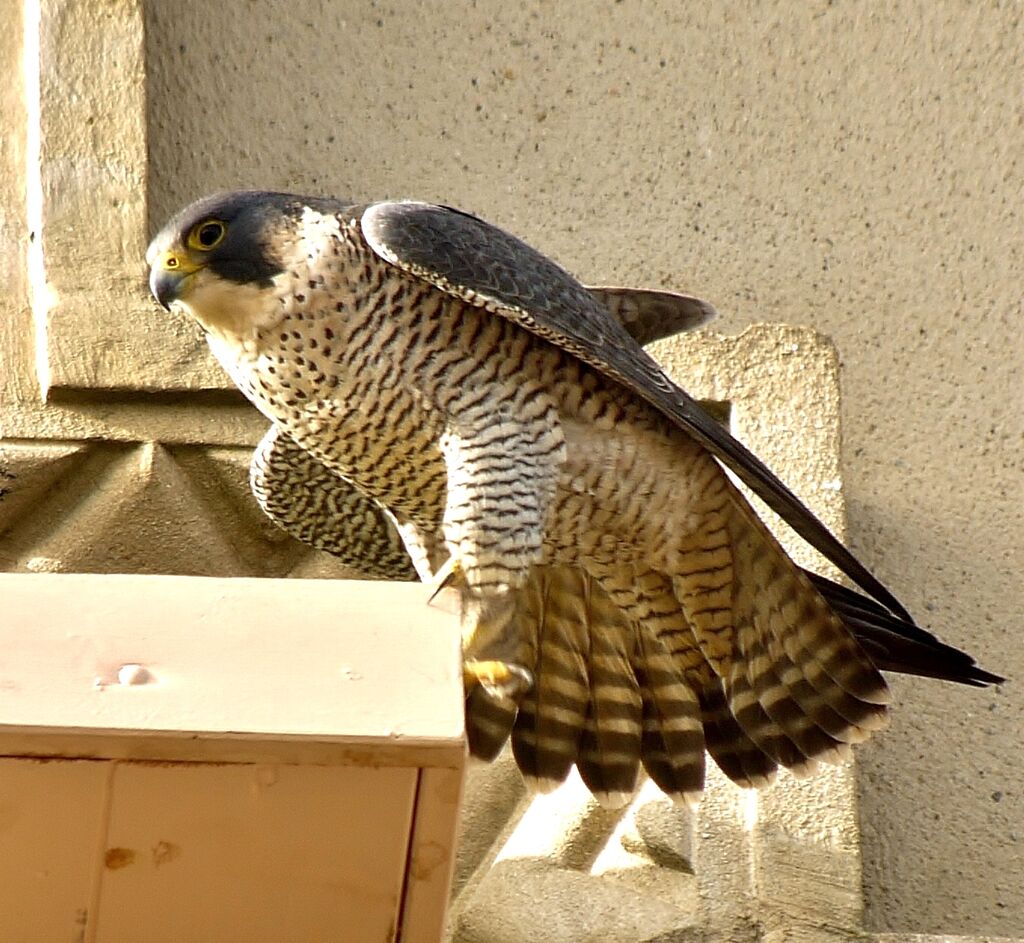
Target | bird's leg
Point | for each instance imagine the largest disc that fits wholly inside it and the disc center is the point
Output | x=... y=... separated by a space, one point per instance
x=502 y=477
x=493 y=648
x=491 y=634
x=499 y=638
x=501 y=483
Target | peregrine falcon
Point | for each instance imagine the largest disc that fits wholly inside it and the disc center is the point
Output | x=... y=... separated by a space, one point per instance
x=447 y=401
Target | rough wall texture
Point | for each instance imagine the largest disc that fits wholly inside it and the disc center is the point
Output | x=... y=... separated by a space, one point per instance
x=821 y=164
x=829 y=164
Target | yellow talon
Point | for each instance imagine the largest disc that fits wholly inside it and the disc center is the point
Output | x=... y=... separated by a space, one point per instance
x=500 y=679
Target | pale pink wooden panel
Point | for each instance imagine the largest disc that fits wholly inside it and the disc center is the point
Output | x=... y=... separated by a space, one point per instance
x=432 y=855
x=367 y=666
x=51 y=817
x=248 y=854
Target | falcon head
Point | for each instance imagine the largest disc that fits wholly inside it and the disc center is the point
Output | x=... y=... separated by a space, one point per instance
x=217 y=258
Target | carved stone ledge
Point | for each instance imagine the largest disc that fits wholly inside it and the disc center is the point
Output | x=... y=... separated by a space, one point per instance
x=142 y=507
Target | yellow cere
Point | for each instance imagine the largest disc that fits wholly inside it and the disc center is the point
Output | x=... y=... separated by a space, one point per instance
x=173 y=260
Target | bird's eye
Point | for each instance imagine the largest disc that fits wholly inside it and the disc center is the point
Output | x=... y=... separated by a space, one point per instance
x=207 y=235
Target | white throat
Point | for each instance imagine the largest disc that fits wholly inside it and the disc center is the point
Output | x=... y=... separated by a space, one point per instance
x=235 y=313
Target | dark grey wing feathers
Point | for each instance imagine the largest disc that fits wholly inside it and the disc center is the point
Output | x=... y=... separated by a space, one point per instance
x=894 y=644
x=650 y=315
x=492 y=269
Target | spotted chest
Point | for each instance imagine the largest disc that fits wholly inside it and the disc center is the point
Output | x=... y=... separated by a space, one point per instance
x=338 y=372
x=369 y=368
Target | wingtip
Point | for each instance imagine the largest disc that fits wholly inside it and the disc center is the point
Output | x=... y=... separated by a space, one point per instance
x=978 y=677
x=708 y=311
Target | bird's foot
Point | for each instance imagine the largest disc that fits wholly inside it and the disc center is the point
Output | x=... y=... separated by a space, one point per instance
x=500 y=680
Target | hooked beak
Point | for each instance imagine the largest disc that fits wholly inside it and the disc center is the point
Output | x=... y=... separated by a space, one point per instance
x=166 y=284
x=169 y=273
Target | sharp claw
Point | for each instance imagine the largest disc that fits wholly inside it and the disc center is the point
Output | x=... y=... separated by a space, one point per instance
x=444 y=577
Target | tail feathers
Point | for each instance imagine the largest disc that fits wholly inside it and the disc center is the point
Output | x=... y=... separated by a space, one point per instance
x=656 y=605
x=793 y=721
x=894 y=644
x=672 y=745
x=772 y=699
x=761 y=663
x=793 y=676
x=837 y=717
x=488 y=723
x=583 y=705
x=545 y=739
x=772 y=587
x=610 y=743
x=735 y=753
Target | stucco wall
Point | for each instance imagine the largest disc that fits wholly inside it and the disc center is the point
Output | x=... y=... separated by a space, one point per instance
x=825 y=164
x=812 y=163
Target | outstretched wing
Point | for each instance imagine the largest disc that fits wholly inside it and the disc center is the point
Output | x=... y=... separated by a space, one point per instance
x=489 y=268
x=313 y=504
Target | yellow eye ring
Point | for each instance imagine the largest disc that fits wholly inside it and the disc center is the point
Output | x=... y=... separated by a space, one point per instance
x=207 y=235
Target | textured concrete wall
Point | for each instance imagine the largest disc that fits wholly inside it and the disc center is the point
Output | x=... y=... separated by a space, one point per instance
x=832 y=165
x=820 y=164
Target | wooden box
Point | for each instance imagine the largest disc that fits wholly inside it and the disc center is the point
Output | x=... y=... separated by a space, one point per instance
x=189 y=759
